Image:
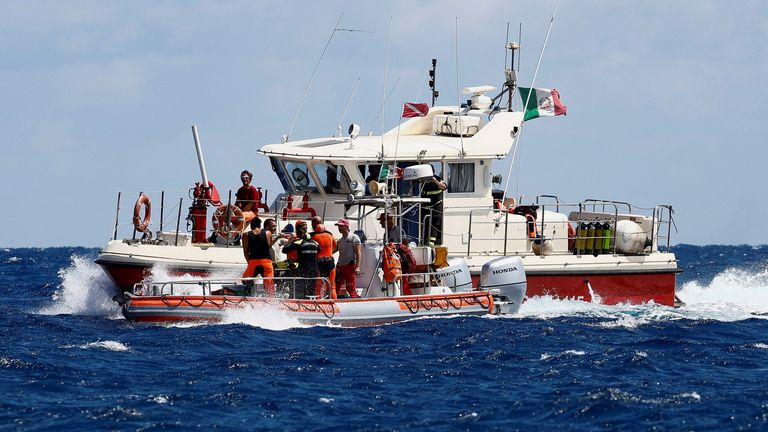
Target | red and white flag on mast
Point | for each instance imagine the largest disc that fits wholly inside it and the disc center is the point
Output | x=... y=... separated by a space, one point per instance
x=411 y=109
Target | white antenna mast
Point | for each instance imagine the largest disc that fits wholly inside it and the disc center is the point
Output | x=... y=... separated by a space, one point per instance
x=344 y=113
x=384 y=90
x=458 y=95
x=312 y=78
x=525 y=105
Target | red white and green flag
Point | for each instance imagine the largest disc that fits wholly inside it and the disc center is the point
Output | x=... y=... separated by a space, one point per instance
x=542 y=103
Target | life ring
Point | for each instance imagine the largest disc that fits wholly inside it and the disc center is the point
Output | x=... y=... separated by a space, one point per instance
x=236 y=221
x=142 y=225
x=571 y=236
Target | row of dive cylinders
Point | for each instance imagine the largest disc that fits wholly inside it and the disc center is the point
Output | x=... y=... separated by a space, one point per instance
x=594 y=238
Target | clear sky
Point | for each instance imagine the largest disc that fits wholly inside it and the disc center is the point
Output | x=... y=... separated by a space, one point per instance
x=665 y=99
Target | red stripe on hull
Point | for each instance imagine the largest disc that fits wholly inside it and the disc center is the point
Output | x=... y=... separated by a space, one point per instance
x=634 y=288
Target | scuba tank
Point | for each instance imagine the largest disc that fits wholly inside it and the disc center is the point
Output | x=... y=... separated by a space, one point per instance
x=590 y=242
x=607 y=237
x=581 y=239
x=598 y=239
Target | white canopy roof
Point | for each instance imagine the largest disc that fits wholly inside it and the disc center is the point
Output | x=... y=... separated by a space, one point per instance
x=493 y=141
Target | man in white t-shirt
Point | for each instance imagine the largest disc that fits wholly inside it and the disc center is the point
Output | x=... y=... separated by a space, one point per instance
x=350 y=253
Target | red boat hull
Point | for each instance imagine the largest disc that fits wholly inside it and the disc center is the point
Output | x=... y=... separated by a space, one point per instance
x=608 y=288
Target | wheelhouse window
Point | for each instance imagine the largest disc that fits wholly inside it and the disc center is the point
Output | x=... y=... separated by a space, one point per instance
x=461 y=177
x=277 y=167
x=334 y=177
x=300 y=176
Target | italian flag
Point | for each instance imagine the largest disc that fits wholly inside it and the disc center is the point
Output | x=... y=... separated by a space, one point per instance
x=542 y=103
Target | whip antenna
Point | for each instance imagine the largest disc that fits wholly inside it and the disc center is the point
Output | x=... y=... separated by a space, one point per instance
x=384 y=90
x=341 y=120
x=525 y=105
x=306 y=90
x=458 y=95
x=373 y=121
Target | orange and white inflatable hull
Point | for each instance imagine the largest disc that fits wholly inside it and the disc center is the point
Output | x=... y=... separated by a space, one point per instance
x=345 y=312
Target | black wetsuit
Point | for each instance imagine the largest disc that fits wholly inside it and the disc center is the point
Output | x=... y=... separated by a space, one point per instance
x=433 y=231
x=307 y=250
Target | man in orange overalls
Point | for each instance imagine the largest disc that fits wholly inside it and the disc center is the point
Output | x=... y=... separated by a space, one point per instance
x=256 y=246
x=325 y=261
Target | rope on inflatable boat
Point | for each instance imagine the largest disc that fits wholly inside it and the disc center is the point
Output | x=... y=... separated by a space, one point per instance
x=414 y=306
x=164 y=298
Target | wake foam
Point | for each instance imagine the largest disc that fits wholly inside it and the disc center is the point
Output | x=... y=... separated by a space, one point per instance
x=740 y=289
x=733 y=295
x=161 y=273
x=104 y=345
x=84 y=290
x=266 y=317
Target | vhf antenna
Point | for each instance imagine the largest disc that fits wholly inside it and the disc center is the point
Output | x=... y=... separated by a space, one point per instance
x=435 y=93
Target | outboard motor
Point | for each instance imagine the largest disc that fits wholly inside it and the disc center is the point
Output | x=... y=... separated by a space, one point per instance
x=458 y=268
x=505 y=278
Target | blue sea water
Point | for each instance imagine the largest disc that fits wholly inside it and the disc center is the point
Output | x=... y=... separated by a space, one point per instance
x=69 y=361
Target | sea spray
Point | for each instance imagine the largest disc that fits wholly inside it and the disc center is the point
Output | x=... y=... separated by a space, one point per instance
x=84 y=290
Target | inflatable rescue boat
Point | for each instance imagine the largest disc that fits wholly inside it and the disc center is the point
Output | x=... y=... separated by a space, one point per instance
x=443 y=292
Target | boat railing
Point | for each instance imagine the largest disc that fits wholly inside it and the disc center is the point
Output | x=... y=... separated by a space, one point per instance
x=167 y=228
x=284 y=287
x=490 y=235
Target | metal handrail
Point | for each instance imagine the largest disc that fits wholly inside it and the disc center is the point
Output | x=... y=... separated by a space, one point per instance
x=207 y=285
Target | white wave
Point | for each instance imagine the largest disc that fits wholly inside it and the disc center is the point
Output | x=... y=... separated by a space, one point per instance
x=84 y=290
x=737 y=290
x=106 y=345
x=759 y=345
x=161 y=273
x=733 y=295
x=12 y=259
x=262 y=316
x=161 y=399
x=547 y=356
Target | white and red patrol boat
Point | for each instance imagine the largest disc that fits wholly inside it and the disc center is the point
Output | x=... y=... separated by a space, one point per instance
x=593 y=250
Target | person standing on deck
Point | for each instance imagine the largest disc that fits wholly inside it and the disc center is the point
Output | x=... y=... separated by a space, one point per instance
x=257 y=244
x=350 y=254
x=325 y=263
x=433 y=228
x=395 y=234
x=307 y=250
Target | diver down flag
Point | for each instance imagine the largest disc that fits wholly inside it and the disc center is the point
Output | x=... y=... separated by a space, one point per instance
x=542 y=103
x=411 y=109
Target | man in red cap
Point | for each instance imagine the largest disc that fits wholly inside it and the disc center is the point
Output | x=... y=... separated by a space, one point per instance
x=350 y=253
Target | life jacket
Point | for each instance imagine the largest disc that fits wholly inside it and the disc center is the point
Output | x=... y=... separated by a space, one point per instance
x=326 y=241
x=407 y=260
x=391 y=263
